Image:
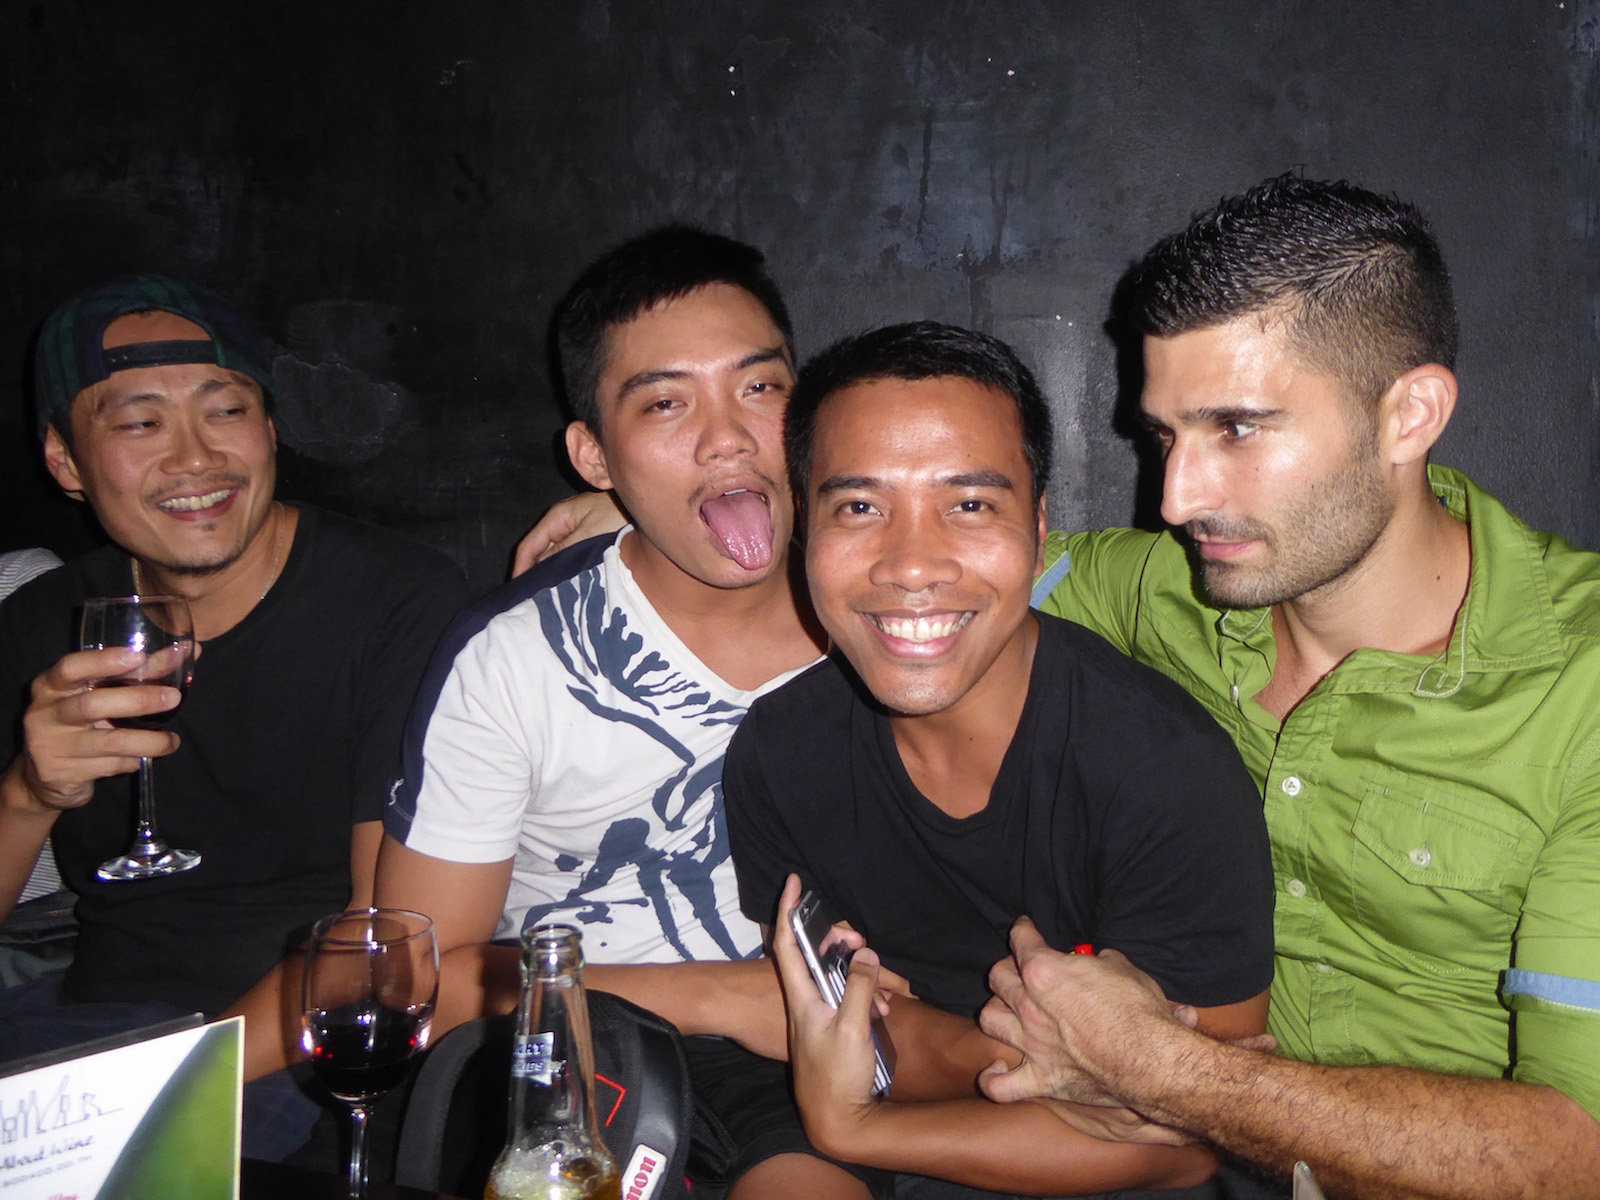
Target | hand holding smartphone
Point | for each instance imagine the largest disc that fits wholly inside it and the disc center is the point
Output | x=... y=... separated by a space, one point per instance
x=812 y=924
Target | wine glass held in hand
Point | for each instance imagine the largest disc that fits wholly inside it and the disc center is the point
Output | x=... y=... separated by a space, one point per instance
x=160 y=629
x=371 y=979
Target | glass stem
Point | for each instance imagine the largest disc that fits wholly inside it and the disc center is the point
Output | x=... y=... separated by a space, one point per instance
x=145 y=832
x=358 y=1151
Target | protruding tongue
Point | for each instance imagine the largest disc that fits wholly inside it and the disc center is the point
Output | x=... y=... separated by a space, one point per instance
x=743 y=526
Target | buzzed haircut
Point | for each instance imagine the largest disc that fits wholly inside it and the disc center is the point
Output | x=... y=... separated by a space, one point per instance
x=916 y=350
x=1356 y=278
x=664 y=264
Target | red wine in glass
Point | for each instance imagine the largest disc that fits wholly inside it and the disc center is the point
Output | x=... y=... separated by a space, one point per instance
x=367 y=997
x=161 y=629
x=361 y=1051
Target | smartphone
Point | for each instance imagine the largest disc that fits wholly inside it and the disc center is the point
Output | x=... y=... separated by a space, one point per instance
x=812 y=924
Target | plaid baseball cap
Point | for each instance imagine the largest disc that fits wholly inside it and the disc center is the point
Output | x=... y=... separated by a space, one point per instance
x=70 y=356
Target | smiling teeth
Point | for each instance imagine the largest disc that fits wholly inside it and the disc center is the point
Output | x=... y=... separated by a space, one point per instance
x=195 y=503
x=922 y=629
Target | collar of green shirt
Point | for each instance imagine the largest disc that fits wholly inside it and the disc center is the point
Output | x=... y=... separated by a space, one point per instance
x=1507 y=622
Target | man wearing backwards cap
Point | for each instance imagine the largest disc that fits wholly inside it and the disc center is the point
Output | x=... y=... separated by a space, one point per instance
x=154 y=408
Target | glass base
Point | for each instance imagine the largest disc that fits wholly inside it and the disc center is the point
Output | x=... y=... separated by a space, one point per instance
x=148 y=862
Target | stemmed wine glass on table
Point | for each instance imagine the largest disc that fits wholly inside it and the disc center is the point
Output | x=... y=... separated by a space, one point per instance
x=371 y=979
x=160 y=628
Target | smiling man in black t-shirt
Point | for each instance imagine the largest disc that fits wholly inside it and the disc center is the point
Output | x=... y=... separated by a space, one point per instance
x=155 y=410
x=963 y=761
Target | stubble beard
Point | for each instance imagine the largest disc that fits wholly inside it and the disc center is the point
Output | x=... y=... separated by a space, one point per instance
x=203 y=569
x=1317 y=542
x=199 y=570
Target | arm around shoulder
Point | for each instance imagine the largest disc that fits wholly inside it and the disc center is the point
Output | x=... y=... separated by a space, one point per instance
x=565 y=523
x=1093 y=579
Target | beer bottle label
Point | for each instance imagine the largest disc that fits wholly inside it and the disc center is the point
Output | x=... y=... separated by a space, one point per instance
x=530 y=1057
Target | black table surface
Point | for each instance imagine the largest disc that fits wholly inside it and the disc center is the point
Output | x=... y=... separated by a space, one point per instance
x=271 y=1181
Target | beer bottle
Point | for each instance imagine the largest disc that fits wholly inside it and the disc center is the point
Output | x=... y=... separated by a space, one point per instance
x=553 y=1148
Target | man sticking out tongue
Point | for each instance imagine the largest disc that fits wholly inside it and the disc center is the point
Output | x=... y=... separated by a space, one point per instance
x=565 y=758
x=742 y=524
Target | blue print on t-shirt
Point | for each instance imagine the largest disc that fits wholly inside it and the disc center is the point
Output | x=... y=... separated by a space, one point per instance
x=592 y=641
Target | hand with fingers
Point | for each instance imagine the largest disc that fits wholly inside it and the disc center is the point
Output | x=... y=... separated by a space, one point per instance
x=1076 y=1020
x=70 y=738
x=586 y=515
x=830 y=1050
x=890 y=983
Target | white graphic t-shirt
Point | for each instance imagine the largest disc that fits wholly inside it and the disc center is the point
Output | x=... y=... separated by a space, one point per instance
x=564 y=725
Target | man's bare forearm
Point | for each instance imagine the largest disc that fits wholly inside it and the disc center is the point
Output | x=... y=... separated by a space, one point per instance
x=1372 y=1132
x=1020 y=1148
x=939 y=1053
x=271 y=1012
x=738 y=1000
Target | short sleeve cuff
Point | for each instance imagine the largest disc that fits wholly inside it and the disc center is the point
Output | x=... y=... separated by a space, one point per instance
x=436 y=843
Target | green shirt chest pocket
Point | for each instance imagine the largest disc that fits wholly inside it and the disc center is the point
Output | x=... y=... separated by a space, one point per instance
x=1441 y=876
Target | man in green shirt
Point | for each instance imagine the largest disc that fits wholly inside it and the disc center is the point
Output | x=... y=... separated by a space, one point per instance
x=1408 y=672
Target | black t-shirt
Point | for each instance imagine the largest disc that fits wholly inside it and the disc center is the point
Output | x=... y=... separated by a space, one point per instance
x=1121 y=816
x=290 y=735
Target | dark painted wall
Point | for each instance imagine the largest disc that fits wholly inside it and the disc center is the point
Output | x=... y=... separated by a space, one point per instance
x=402 y=190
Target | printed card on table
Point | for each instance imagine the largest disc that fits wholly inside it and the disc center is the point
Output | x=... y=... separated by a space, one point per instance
x=155 y=1118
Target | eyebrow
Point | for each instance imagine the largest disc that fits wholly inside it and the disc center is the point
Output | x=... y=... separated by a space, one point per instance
x=646 y=379
x=967 y=479
x=848 y=483
x=105 y=404
x=771 y=354
x=980 y=479
x=1219 y=414
x=206 y=387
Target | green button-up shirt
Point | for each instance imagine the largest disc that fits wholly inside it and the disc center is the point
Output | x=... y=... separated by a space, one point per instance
x=1435 y=823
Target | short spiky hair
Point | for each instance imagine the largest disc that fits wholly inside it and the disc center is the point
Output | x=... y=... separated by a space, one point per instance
x=1357 y=278
x=661 y=265
x=918 y=350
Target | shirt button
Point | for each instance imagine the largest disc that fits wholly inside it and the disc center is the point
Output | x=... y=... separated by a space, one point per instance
x=1421 y=856
x=1291 y=785
x=1324 y=969
x=1296 y=888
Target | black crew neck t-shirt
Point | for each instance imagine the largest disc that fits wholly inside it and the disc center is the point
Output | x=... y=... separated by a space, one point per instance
x=1121 y=816
x=290 y=735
